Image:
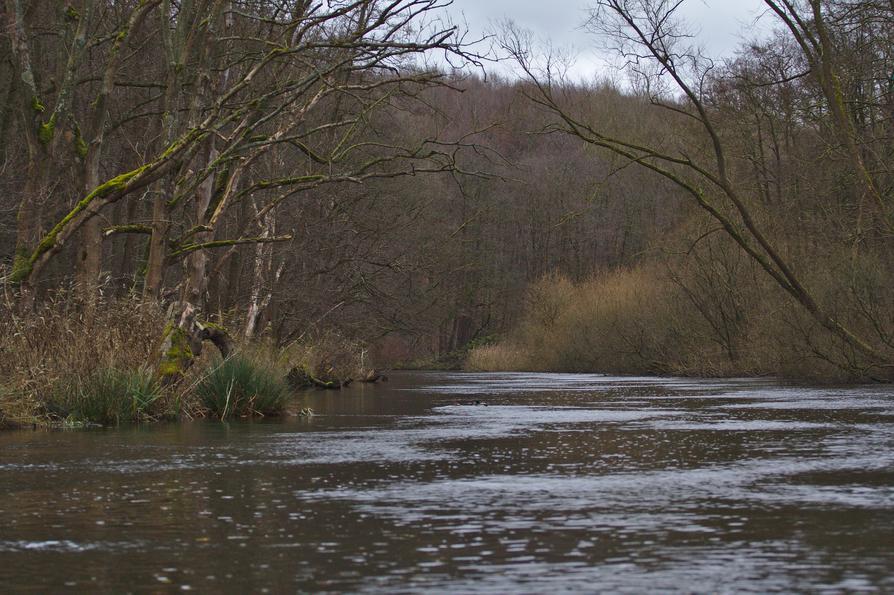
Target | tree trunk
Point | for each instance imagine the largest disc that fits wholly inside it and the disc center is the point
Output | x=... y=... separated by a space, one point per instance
x=262 y=283
x=89 y=260
x=196 y=287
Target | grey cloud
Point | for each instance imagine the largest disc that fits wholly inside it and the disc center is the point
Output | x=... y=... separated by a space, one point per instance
x=721 y=25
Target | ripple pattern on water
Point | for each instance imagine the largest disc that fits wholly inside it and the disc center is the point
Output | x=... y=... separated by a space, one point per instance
x=487 y=483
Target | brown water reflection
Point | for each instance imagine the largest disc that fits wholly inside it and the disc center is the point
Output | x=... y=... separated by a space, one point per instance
x=567 y=483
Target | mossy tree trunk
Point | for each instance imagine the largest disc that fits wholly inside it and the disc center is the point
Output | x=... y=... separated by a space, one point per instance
x=211 y=84
x=31 y=110
x=176 y=43
x=158 y=243
x=195 y=289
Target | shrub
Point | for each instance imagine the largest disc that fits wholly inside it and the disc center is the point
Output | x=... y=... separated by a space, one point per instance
x=502 y=357
x=627 y=321
x=242 y=386
x=710 y=312
x=328 y=356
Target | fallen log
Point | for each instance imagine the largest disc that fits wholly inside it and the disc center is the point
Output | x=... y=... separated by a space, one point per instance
x=374 y=376
x=299 y=377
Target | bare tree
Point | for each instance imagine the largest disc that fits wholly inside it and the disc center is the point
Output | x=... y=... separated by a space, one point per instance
x=261 y=77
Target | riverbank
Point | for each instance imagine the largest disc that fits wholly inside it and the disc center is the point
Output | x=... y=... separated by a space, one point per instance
x=67 y=365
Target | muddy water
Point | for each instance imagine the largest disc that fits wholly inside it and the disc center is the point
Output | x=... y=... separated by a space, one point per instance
x=554 y=482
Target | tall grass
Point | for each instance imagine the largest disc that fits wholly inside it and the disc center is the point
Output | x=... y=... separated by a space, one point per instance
x=109 y=396
x=64 y=352
x=68 y=362
x=241 y=386
x=63 y=337
x=505 y=356
x=13 y=412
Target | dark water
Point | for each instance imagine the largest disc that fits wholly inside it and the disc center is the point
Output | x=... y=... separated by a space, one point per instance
x=562 y=483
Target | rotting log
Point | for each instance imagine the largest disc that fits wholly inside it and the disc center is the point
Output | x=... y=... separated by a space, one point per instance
x=326 y=384
x=300 y=377
x=374 y=376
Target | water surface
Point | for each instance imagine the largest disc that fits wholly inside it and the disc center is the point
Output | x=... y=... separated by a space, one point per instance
x=552 y=482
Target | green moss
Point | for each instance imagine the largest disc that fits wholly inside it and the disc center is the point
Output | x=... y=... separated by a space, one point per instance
x=47 y=130
x=193 y=134
x=81 y=147
x=100 y=191
x=214 y=326
x=168 y=369
x=36 y=105
x=176 y=352
x=187 y=248
x=21 y=267
x=139 y=276
x=262 y=184
x=71 y=13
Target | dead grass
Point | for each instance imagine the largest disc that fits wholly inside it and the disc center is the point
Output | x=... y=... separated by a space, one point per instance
x=64 y=340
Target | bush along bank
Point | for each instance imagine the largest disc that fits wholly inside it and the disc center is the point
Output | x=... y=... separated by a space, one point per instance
x=665 y=321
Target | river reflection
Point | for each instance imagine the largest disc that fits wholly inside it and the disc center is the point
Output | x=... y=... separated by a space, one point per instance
x=559 y=482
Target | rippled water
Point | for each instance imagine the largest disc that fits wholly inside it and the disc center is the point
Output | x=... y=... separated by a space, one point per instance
x=552 y=482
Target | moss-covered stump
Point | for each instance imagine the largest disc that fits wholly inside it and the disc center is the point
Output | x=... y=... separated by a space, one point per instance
x=182 y=343
x=176 y=354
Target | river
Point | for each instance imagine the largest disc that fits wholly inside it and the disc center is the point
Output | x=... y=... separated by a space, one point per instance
x=553 y=483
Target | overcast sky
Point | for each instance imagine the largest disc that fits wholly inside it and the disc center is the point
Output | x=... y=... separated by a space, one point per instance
x=722 y=24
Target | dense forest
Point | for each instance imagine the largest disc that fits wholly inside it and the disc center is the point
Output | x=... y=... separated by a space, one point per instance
x=334 y=186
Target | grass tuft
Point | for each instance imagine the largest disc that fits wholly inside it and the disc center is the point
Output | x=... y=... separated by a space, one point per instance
x=108 y=396
x=242 y=386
